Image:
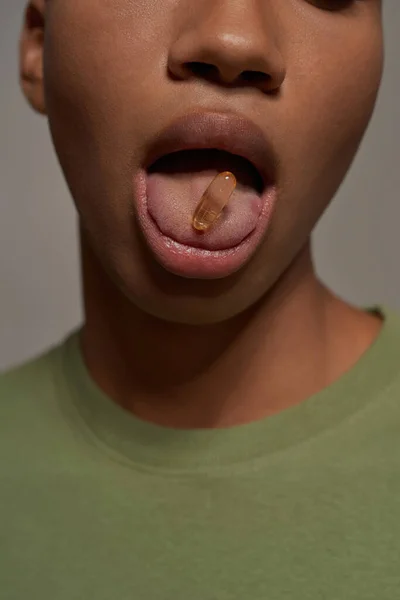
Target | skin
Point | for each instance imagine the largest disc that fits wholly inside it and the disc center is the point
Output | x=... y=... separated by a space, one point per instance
x=109 y=75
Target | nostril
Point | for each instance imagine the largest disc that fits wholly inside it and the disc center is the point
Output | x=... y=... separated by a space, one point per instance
x=255 y=77
x=210 y=72
x=201 y=69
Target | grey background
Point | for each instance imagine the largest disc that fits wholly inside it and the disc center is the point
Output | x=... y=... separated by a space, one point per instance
x=357 y=243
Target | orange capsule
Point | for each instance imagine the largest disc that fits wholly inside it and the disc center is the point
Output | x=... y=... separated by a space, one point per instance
x=214 y=200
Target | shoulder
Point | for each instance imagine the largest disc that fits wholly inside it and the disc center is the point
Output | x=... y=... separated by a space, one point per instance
x=27 y=387
x=35 y=418
x=29 y=407
x=25 y=378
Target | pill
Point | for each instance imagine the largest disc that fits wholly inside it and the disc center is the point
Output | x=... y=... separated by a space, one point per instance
x=214 y=200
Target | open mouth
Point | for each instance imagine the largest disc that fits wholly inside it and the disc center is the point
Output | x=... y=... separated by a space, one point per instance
x=168 y=192
x=176 y=183
x=182 y=161
x=190 y=162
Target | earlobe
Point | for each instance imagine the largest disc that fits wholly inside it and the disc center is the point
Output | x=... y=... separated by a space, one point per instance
x=31 y=55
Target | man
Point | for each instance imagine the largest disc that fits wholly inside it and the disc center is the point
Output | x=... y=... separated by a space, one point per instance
x=222 y=426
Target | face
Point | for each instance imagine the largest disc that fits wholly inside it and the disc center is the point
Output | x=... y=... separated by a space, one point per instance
x=116 y=73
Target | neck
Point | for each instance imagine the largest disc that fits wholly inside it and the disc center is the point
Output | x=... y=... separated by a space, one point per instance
x=298 y=339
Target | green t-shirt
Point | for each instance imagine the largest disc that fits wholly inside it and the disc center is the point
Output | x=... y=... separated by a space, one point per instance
x=98 y=505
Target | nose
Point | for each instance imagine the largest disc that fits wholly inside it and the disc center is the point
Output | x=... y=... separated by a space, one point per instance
x=229 y=43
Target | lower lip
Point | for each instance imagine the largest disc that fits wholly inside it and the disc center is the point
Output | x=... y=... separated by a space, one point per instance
x=197 y=263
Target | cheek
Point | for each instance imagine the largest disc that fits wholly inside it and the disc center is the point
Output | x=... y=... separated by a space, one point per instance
x=99 y=66
x=326 y=108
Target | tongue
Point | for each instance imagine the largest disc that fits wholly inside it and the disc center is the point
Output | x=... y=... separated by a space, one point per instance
x=172 y=198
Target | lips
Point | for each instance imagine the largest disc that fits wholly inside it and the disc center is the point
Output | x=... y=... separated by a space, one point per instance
x=180 y=163
x=228 y=132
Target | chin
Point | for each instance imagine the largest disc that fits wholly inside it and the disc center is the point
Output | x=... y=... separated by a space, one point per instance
x=189 y=307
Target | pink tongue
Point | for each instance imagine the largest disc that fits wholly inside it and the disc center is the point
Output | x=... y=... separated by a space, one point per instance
x=173 y=198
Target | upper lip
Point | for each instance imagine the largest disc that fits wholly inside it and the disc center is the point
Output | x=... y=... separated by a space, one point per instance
x=221 y=131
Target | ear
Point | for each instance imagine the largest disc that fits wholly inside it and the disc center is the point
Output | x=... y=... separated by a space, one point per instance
x=31 y=55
